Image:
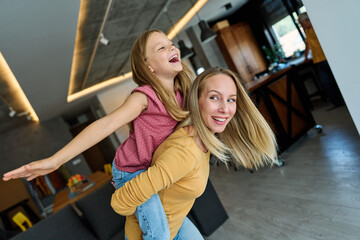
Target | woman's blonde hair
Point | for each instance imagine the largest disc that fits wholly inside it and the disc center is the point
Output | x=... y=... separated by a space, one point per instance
x=143 y=76
x=247 y=139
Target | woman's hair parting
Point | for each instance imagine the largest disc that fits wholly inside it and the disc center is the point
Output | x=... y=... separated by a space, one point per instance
x=247 y=139
x=143 y=76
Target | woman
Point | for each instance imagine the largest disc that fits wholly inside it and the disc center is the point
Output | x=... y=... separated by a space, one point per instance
x=153 y=109
x=217 y=104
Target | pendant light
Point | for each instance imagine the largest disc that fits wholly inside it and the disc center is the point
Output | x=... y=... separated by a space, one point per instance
x=184 y=50
x=207 y=34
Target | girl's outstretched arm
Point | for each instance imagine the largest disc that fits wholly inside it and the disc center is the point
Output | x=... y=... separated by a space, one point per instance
x=91 y=135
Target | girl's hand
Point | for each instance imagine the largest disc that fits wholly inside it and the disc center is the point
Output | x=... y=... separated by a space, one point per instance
x=32 y=170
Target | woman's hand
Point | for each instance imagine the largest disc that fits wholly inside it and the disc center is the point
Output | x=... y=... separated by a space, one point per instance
x=32 y=170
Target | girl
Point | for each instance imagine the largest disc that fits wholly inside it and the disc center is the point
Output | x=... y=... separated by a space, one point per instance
x=217 y=103
x=154 y=109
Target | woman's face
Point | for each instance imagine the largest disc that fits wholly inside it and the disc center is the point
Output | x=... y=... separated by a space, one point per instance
x=217 y=102
x=162 y=57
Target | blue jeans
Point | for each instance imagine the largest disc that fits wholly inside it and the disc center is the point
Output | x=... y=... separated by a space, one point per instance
x=151 y=214
x=188 y=231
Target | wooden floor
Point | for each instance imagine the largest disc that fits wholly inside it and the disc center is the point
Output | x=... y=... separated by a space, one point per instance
x=316 y=195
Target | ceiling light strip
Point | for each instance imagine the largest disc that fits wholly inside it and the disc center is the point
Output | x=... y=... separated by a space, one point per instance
x=99 y=86
x=20 y=96
x=96 y=44
x=84 y=6
x=185 y=19
x=76 y=59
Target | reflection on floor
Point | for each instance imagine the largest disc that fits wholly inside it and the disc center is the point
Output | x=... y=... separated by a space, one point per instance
x=316 y=195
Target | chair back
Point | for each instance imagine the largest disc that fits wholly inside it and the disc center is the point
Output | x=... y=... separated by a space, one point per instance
x=22 y=221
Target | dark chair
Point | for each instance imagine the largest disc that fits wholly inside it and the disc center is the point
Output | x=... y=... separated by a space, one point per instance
x=65 y=224
x=7 y=234
x=306 y=72
x=208 y=213
x=27 y=209
x=105 y=223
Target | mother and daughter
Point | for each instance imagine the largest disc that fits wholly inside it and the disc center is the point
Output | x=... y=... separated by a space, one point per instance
x=156 y=189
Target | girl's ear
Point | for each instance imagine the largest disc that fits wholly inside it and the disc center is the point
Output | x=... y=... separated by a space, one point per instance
x=151 y=69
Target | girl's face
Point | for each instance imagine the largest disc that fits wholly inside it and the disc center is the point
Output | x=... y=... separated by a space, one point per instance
x=162 y=57
x=217 y=102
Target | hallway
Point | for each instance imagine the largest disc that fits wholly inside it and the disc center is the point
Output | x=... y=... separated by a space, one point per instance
x=316 y=195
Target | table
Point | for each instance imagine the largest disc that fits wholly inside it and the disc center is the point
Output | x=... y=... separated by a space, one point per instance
x=62 y=197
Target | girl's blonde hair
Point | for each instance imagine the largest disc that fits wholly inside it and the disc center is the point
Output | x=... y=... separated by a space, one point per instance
x=143 y=76
x=247 y=138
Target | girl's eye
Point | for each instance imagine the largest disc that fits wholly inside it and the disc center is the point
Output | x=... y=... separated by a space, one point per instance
x=161 y=48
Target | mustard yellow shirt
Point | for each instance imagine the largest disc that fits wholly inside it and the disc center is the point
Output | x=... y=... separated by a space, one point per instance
x=179 y=172
x=314 y=44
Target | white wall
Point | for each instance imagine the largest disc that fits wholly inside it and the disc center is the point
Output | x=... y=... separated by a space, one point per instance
x=337 y=26
x=114 y=98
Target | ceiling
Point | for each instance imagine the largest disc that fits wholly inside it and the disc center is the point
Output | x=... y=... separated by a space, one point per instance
x=54 y=46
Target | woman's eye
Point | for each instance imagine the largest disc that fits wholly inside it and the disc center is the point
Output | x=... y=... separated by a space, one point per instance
x=231 y=100
x=161 y=48
x=214 y=98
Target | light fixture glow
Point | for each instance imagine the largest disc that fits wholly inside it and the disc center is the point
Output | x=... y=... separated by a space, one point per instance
x=21 y=101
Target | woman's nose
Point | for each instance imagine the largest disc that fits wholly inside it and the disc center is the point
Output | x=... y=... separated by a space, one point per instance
x=223 y=107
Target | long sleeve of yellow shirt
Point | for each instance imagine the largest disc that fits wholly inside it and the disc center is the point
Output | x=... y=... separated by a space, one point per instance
x=179 y=173
x=172 y=165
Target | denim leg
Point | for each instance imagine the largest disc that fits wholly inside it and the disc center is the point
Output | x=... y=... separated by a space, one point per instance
x=188 y=231
x=152 y=219
x=151 y=214
x=118 y=177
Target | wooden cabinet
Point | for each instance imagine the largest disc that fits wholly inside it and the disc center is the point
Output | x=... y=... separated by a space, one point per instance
x=241 y=51
x=281 y=99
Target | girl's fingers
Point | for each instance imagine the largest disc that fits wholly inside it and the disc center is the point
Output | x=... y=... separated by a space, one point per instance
x=17 y=173
x=32 y=177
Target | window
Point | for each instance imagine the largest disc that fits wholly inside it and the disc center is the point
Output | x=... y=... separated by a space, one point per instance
x=283 y=26
x=288 y=36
